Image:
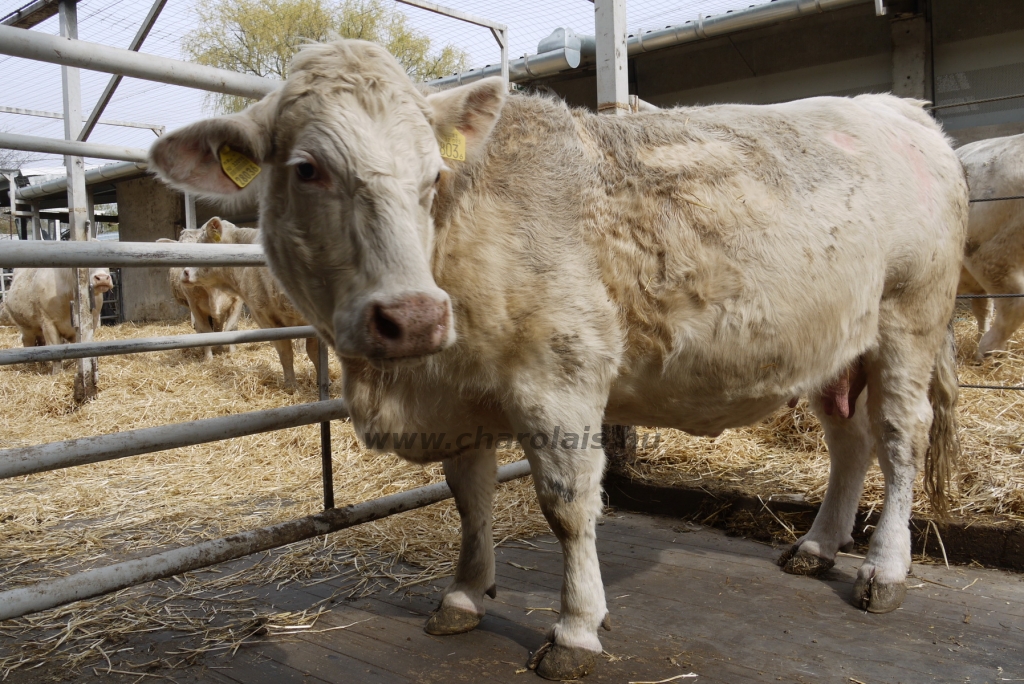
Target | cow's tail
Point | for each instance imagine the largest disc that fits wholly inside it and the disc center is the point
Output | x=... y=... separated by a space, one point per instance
x=944 y=446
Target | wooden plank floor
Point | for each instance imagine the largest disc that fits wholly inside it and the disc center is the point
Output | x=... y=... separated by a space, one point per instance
x=683 y=599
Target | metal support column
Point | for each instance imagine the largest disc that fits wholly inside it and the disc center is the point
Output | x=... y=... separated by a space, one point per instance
x=87 y=370
x=190 y=211
x=612 y=74
x=323 y=381
x=37 y=229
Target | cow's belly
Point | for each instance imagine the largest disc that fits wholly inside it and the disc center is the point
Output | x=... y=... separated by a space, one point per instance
x=669 y=401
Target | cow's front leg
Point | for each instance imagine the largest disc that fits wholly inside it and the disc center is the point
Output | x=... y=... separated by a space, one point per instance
x=471 y=477
x=567 y=477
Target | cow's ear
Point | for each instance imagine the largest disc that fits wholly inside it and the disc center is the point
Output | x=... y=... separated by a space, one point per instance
x=467 y=113
x=214 y=230
x=219 y=157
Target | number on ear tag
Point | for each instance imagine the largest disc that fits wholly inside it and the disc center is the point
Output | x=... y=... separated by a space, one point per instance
x=239 y=168
x=453 y=146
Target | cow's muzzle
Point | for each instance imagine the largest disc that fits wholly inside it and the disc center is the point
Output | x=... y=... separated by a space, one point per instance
x=409 y=326
x=101 y=282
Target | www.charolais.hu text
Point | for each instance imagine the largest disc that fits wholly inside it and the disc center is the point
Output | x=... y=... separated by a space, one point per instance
x=557 y=438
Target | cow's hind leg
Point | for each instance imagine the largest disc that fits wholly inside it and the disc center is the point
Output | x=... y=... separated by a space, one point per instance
x=899 y=374
x=1009 y=315
x=849 y=448
x=471 y=477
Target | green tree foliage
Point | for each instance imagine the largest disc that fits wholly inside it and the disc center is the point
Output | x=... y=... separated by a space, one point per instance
x=260 y=36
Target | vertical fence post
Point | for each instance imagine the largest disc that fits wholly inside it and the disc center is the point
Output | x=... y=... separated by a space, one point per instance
x=612 y=74
x=87 y=370
x=323 y=381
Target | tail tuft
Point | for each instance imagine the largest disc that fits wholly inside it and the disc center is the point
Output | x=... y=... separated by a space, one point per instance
x=944 y=448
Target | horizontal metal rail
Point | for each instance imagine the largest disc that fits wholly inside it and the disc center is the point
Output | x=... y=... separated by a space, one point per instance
x=88 y=350
x=995 y=387
x=97 y=581
x=18 y=42
x=156 y=128
x=989 y=296
x=36 y=143
x=996 y=199
x=52 y=254
x=75 y=452
x=952 y=105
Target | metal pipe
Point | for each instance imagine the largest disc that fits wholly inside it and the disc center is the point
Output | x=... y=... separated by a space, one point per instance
x=60 y=352
x=35 y=143
x=741 y=20
x=96 y=57
x=75 y=452
x=97 y=581
x=28 y=254
x=159 y=130
x=531 y=67
x=525 y=68
x=106 y=172
x=108 y=91
x=323 y=381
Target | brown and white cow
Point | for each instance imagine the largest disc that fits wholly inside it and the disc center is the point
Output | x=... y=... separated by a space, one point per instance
x=40 y=299
x=211 y=308
x=994 y=254
x=690 y=268
x=268 y=305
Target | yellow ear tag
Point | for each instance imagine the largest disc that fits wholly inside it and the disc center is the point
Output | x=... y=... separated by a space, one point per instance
x=216 y=236
x=453 y=146
x=239 y=168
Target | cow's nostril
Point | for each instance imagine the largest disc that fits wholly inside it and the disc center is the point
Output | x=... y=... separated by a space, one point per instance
x=386 y=327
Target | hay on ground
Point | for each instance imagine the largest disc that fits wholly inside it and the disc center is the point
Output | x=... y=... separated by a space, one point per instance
x=61 y=522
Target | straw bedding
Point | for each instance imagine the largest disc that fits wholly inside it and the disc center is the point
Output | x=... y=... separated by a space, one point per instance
x=57 y=523
x=61 y=522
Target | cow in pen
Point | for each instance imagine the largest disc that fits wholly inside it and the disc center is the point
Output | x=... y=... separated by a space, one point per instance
x=691 y=268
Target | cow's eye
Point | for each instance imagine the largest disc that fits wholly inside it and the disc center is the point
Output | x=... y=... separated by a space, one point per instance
x=306 y=171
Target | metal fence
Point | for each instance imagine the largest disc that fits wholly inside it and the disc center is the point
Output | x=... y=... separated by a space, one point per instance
x=70 y=52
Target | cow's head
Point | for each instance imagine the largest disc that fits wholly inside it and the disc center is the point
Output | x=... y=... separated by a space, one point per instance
x=349 y=167
x=99 y=279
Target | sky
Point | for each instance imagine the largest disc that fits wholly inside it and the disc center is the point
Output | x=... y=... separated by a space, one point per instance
x=34 y=85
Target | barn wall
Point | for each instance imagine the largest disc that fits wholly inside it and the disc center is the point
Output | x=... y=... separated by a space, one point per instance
x=147 y=210
x=941 y=50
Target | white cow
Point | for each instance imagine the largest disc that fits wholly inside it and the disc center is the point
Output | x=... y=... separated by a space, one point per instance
x=212 y=309
x=690 y=268
x=268 y=305
x=994 y=254
x=40 y=299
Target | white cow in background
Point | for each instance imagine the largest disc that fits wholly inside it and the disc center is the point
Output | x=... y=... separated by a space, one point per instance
x=212 y=309
x=268 y=305
x=690 y=268
x=994 y=253
x=40 y=299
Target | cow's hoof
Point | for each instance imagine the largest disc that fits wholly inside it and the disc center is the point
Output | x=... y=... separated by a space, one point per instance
x=561 y=663
x=878 y=597
x=448 y=620
x=796 y=563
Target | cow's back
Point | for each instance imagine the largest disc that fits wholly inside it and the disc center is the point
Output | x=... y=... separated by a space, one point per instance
x=995 y=168
x=735 y=253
